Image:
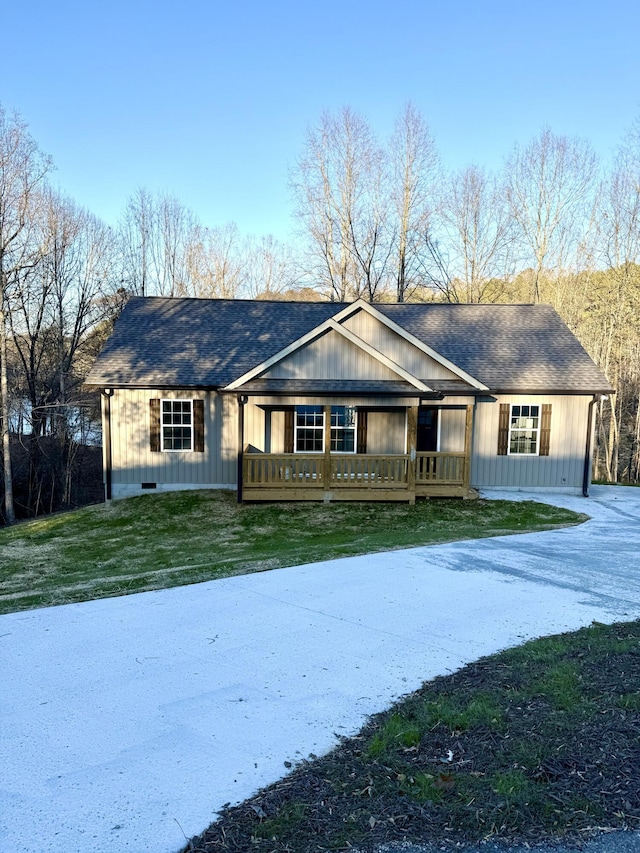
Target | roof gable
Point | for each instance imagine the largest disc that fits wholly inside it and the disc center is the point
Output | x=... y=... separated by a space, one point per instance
x=392 y=339
x=330 y=351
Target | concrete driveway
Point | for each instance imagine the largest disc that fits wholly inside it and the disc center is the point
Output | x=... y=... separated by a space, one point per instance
x=126 y=723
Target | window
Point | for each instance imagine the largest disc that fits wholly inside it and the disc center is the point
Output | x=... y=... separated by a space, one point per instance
x=343 y=429
x=309 y=433
x=177 y=425
x=524 y=430
x=309 y=429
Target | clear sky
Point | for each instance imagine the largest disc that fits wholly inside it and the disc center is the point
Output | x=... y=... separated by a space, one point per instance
x=210 y=101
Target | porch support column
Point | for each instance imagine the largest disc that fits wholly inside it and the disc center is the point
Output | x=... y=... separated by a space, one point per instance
x=242 y=401
x=468 y=435
x=326 y=466
x=107 y=394
x=412 y=433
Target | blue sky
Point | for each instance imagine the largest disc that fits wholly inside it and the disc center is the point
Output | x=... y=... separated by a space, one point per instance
x=210 y=101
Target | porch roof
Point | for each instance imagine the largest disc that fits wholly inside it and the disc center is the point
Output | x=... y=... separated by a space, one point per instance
x=332 y=387
x=352 y=388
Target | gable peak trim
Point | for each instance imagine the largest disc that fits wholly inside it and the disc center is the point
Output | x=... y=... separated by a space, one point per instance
x=329 y=325
x=350 y=310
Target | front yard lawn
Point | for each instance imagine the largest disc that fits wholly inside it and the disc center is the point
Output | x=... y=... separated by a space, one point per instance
x=164 y=540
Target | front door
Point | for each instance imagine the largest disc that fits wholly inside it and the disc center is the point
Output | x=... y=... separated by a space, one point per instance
x=427 y=436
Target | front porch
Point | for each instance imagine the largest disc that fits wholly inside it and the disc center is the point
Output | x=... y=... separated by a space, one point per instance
x=354 y=477
x=358 y=476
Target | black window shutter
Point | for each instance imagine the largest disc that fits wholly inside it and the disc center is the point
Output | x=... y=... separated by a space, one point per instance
x=503 y=429
x=362 y=431
x=288 y=430
x=198 y=426
x=154 y=425
x=545 y=430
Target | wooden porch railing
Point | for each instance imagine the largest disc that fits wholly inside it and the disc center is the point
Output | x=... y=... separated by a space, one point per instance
x=282 y=470
x=442 y=468
x=294 y=470
x=369 y=471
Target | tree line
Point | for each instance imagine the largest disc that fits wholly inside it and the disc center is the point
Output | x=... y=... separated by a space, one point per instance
x=377 y=219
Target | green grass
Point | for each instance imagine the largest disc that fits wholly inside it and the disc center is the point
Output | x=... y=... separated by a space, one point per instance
x=158 y=541
x=538 y=742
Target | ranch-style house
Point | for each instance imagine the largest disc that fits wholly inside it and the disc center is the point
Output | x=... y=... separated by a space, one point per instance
x=329 y=401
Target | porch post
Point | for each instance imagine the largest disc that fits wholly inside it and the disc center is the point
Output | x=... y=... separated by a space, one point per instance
x=242 y=401
x=468 y=435
x=412 y=433
x=326 y=468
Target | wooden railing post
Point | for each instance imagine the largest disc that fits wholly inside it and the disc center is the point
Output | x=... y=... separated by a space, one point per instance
x=326 y=468
x=468 y=435
x=242 y=401
x=412 y=434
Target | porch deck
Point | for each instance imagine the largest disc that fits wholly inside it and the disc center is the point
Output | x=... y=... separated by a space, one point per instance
x=354 y=477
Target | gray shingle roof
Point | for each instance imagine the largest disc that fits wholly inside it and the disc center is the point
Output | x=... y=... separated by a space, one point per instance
x=161 y=342
x=507 y=347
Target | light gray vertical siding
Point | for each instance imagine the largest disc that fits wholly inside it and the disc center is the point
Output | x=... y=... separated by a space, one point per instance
x=277 y=432
x=103 y=410
x=386 y=429
x=399 y=350
x=133 y=463
x=330 y=357
x=386 y=432
x=254 y=427
x=452 y=426
x=564 y=466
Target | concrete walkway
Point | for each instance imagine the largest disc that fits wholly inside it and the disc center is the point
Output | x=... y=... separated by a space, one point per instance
x=126 y=723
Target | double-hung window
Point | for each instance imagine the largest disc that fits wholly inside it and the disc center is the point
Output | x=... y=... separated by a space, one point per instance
x=177 y=424
x=343 y=429
x=309 y=429
x=524 y=430
x=309 y=432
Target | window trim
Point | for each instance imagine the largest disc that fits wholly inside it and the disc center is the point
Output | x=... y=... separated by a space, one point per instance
x=353 y=429
x=537 y=429
x=296 y=428
x=191 y=426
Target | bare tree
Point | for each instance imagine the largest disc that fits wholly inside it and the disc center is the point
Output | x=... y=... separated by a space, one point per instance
x=136 y=238
x=156 y=233
x=174 y=227
x=217 y=262
x=478 y=233
x=272 y=268
x=337 y=186
x=618 y=334
x=54 y=305
x=414 y=165
x=23 y=168
x=549 y=183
